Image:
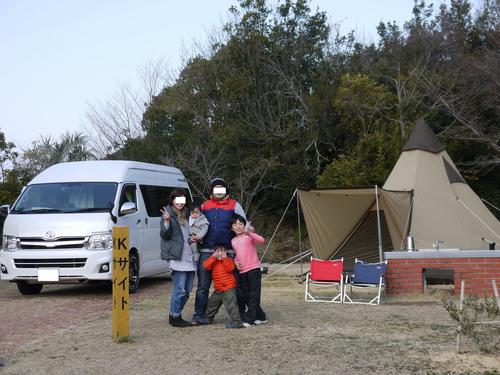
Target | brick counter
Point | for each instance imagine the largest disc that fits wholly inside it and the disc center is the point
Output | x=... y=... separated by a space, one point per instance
x=405 y=270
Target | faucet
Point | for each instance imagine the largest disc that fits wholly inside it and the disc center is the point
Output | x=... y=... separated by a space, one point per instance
x=437 y=244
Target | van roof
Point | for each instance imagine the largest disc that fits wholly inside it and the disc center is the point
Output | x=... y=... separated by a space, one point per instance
x=97 y=171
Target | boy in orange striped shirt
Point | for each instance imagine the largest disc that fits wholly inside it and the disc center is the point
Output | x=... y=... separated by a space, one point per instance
x=222 y=268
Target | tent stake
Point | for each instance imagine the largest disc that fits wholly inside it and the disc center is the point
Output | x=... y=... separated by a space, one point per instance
x=381 y=254
x=459 y=328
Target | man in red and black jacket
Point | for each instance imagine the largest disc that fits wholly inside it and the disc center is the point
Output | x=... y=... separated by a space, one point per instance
x=218 y=210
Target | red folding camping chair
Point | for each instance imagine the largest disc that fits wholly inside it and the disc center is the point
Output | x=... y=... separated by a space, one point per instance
x=325 y=273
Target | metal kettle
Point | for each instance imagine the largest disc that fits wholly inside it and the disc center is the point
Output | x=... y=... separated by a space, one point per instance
x=410 y=243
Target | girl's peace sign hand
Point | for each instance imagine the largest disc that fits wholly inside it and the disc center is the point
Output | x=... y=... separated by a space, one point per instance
x=166 y=215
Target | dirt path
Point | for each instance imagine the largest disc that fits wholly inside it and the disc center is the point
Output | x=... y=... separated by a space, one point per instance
x=27 y=318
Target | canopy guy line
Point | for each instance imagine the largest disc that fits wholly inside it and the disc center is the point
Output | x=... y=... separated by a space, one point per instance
x=303 y=255
x=477 y=217
x=495 y=207
x=282 y=217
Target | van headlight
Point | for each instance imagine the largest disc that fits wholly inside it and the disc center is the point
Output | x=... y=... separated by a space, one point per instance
x=11 y=243
x=100 y=241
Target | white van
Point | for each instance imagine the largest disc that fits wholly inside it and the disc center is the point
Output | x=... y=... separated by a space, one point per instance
x=62 y=222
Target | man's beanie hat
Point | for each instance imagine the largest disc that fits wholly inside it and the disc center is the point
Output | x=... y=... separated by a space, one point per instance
x=217 y=181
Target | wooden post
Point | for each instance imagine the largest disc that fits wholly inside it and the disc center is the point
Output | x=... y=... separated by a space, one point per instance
x=121 y=282
x=495 y=291
x=462 y=292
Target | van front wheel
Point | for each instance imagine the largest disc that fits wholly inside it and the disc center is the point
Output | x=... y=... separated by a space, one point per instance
x=29 y=289
x=133 y=273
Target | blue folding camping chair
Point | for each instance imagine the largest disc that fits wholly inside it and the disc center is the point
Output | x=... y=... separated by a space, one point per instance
x=365 y=276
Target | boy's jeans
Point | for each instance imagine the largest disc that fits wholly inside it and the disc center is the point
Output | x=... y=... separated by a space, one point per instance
x=182 y=286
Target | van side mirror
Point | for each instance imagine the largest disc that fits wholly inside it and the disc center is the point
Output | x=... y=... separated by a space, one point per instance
x=128 y=208
x=4 y=209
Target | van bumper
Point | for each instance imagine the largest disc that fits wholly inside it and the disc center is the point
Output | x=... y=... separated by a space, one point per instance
x=74 y=266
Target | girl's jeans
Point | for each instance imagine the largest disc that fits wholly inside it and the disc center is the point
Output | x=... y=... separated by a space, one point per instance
x=249 y=289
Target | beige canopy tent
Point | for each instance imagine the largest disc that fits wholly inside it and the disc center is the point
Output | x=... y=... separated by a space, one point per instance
x=424 y=196
x=355 y=223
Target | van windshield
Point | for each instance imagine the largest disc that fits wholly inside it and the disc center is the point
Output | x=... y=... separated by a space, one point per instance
x=68 y=197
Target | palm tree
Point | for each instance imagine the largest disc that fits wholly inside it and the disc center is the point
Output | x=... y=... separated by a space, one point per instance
x=46 y=152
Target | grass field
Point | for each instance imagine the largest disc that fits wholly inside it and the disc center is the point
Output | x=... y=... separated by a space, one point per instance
x=401 y=336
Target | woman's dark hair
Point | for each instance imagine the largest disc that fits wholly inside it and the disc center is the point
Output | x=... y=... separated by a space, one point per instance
x=177 y=193
x=239 y=218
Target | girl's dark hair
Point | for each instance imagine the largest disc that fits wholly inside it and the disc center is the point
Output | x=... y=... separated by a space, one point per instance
x=239 y=218
x=177 y=193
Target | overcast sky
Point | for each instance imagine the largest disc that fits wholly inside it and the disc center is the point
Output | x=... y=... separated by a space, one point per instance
x=57 y=56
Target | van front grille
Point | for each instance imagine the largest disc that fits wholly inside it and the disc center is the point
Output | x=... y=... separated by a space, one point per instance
x=51 y=263
x=30 y=243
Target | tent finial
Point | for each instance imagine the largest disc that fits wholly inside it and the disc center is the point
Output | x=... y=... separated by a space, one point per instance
x=423 y=138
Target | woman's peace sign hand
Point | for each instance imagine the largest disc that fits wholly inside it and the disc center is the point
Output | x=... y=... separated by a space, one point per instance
x=166 y=215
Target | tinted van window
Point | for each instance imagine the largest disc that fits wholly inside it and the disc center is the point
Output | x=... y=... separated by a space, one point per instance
x=155 y=197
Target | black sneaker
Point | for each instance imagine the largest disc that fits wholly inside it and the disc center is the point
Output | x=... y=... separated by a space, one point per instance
x=178 y=322
x=233 y=325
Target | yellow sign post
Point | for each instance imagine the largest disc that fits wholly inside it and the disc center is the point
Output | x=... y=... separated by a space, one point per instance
x=121 y=282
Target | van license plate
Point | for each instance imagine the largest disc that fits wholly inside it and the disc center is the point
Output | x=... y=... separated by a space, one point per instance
x=48 y=274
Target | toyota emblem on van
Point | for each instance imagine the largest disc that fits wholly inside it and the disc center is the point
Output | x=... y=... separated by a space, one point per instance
x=50 y=234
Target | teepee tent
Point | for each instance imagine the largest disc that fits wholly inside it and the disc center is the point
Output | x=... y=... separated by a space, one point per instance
x=424 y=196
x=444 y=207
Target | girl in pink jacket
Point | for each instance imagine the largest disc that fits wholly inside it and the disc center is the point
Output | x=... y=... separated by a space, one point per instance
x=249 y=274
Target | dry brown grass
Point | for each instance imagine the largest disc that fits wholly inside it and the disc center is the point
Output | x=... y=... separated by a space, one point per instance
x=401 y=336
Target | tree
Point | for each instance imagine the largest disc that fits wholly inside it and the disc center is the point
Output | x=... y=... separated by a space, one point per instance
x=112 y=122
x=8 y=155
x=373 y=143
x=248 y=107
x=46 y=152
x=11 y=178
x=273 y=102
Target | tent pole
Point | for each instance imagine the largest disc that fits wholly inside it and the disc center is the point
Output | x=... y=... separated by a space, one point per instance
x=407 y=225
x=300 y=237
x=380 y=253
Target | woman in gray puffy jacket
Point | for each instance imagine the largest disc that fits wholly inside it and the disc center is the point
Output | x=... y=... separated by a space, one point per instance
x=174 y=233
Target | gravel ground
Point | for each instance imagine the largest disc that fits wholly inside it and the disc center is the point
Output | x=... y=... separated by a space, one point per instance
x=68 y=331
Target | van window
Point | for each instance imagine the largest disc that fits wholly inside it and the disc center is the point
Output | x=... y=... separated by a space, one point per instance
x=68 y=197
x=155 y=197
x=128 y=195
